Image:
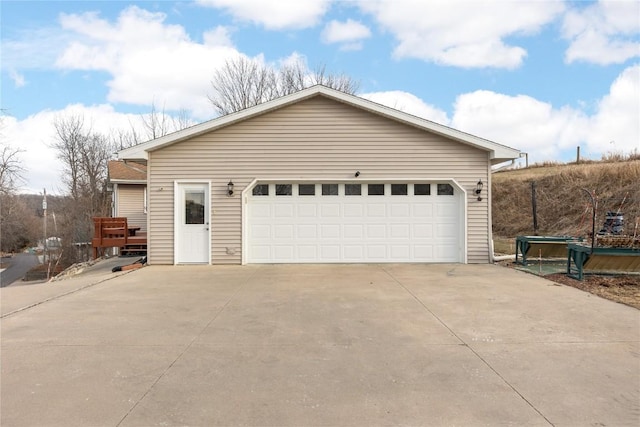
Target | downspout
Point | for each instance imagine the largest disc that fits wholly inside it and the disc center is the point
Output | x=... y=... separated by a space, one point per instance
x=114 y=200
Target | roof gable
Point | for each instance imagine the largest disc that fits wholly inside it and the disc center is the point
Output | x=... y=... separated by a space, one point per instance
x=498 y=152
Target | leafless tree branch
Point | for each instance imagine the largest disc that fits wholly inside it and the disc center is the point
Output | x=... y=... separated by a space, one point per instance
x=11 y=169
x=242 y=83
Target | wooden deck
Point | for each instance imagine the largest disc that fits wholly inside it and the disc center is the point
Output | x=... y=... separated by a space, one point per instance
x=114 y=232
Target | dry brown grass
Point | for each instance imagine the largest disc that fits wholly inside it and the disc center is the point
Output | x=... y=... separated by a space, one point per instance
x=563 y=207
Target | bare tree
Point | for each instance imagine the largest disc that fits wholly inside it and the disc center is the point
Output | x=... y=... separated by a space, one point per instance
x=155 y=124
x=70 y=134
x=242 y=83
x=158 y=123
x=294 y=77
x=95 y=153
x=121 y=138
x=11 y=169
x=84 y=155
x=181 y=120
x=19 y=225
x=16 y=225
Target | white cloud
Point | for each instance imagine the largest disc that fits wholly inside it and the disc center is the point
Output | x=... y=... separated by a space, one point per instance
x=147 y=59
x=520 y=121
x=36 y=133
x=18 y=79
x=461 y=33
x=545 y=131
x=350 y=34
x=603 y=33
x=408 y=103
x=33 y=48
x=274 y=14
x=616 y=125
x=219 y=36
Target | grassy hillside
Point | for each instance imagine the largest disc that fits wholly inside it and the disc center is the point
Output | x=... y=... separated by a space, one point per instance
x=563 y=208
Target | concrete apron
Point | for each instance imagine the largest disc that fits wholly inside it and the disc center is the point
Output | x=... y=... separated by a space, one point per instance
x=322 y=345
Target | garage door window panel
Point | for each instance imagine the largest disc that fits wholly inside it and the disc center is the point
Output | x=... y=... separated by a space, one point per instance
x=375 y=189
x=329 y=189
x=284 y=189
x=399 y=189
x=306 y=189
x=445 y=190
x=261 y=190
x=422 y=189
x=353 y=190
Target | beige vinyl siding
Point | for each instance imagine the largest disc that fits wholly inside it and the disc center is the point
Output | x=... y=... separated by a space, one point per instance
x=131 y=204
x=315 y=138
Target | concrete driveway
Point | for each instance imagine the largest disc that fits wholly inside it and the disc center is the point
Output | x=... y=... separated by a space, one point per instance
x=317 y=345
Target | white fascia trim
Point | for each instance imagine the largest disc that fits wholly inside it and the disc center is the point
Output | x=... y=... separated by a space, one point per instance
x=128 y=181
x=498 y=151
x=136 y=152
x=462 y=213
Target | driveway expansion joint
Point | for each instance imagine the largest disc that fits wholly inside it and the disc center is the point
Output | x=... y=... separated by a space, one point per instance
x=463 y=342
x=73 y=291
x=187 y=347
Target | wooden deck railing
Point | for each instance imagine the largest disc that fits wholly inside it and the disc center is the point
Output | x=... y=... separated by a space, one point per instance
x=114 y=232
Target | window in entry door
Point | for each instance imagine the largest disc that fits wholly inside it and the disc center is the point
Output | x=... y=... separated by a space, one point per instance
x=194 y=207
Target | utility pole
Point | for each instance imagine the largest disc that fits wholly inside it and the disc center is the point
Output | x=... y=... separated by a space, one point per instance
x=44 y=216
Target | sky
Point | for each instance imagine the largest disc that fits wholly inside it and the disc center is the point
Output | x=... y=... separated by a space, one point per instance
x=543 y=77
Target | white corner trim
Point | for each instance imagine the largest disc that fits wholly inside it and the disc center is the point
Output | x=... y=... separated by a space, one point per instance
x=244 y=221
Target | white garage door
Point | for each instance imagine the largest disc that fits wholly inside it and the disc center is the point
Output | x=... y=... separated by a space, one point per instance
x=353 y=223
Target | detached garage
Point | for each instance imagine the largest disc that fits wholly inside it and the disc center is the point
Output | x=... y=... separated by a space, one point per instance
x=319 y=176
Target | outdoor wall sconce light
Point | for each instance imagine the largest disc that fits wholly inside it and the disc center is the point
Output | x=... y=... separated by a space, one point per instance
x=479 y=186
x=357 y=174
x=230 y=188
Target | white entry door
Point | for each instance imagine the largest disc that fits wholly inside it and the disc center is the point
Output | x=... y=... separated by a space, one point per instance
x=192 y=223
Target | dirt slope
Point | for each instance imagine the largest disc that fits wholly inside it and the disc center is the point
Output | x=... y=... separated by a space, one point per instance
x=563 y=208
